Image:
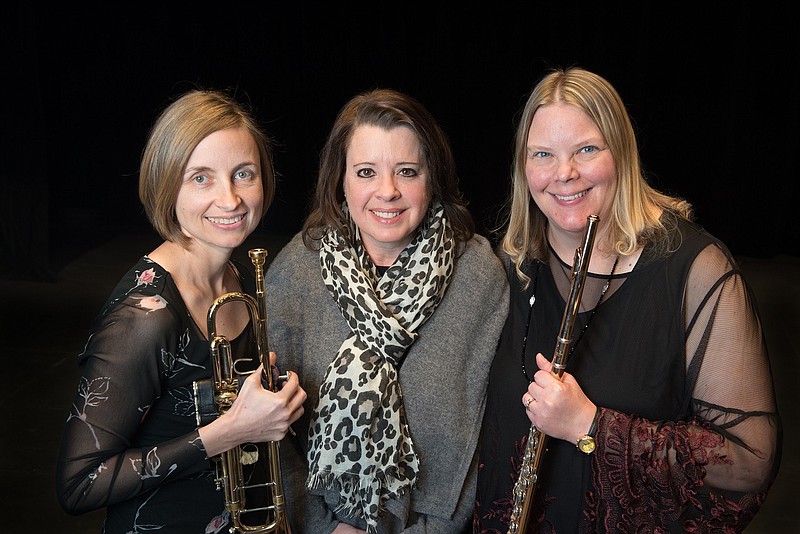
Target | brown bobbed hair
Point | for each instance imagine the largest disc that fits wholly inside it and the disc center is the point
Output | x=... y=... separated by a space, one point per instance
x=387 y=109
x=173 y=137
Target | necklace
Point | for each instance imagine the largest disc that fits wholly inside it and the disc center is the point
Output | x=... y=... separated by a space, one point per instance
x=585 y=326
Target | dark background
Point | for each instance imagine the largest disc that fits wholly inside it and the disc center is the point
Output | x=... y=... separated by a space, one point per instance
x=712 y=88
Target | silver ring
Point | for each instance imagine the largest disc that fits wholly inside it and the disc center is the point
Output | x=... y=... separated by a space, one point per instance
x=527 y=402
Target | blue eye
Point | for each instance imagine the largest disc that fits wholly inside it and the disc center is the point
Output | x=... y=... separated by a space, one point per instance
x=200 y=179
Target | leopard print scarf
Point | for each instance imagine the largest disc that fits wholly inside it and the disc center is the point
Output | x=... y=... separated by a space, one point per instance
x=359 y=442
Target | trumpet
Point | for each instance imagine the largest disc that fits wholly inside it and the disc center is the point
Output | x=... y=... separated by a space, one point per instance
x=535 y=446
x=213 y=397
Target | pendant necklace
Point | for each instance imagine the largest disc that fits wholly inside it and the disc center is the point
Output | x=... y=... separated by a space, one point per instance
x=585 y=326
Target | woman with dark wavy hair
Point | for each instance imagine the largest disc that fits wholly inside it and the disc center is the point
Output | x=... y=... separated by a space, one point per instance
x=390 y=307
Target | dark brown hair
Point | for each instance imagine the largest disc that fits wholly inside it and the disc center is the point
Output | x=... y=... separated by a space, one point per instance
x=387 y=109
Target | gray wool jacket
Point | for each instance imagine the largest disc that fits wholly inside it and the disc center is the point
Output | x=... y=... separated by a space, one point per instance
x=443 y=380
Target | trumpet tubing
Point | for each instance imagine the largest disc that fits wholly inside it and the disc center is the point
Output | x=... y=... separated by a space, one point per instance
x=233 y=477
x=536 y=444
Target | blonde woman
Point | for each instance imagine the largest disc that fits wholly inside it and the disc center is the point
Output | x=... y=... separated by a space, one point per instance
x=665 y=420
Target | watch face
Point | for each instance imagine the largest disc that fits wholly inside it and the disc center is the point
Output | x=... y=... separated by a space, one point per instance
x=586 y=444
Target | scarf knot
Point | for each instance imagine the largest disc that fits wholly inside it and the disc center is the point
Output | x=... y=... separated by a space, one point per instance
x=360 y=445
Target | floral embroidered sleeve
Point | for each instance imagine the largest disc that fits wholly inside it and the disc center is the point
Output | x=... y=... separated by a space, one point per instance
x=715 y=468
x=119 y=438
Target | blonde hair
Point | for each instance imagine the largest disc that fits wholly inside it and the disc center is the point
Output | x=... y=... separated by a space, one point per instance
x=174 y=136
x=636 y=206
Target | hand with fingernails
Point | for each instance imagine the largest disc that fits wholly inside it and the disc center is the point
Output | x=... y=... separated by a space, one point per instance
x=557 y=407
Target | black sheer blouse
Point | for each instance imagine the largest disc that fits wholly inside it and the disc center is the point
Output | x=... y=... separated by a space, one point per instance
x=130 y=442
x=689 y=434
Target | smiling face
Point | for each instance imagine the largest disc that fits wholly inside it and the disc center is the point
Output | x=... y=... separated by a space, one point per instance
x=569 y=167
x=387 y=188
x=220 y=198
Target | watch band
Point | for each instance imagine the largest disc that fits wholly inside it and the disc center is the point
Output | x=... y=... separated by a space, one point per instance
x=593 y=426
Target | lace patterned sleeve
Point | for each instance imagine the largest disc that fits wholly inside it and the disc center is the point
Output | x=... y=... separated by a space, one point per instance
x=713 y=470
x=122 y=369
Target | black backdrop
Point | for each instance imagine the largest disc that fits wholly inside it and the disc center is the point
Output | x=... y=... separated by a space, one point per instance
x=712 y=88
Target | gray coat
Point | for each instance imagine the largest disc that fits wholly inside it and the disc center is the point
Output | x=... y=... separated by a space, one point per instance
x=443 y=380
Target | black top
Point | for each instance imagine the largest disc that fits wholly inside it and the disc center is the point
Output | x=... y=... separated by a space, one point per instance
x=664 y=355
x=131 y=442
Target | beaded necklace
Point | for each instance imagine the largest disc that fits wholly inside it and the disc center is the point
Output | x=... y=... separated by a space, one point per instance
x=585 y=326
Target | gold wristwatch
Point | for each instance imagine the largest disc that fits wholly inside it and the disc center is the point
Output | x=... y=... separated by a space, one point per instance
x=586 y=443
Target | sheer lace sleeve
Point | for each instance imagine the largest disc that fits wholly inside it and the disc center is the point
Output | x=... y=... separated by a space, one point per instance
x=729 y=376
x=711 y=470
x=104 y=456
